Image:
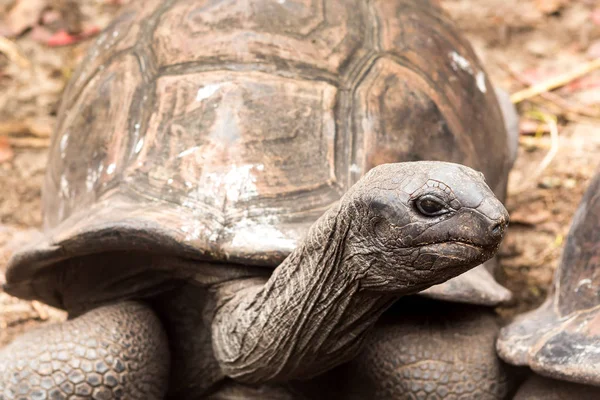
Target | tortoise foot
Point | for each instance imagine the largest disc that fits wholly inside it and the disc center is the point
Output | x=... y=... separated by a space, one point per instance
x=540 y=388
x=423 y=349
x=112 y=352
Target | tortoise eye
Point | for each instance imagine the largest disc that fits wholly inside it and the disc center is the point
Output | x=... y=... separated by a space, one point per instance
x=431 y=206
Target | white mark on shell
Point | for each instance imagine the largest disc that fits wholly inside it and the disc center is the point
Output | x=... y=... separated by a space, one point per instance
x=238 y=183
x=64 y=187
x=64 y=141
x=480 y=79
x=251 y=235
x=584 y=282
x=90 y=179
x=354 y=168
x=459 y=62
x=586 y=349
x=206 y=91
x=101 y=39
x=194 y=230
x=139 y=145
x=188 y=151
x=111 y=168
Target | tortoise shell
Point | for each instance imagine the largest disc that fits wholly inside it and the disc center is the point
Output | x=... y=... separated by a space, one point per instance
x=221 y=130
x=561 y=339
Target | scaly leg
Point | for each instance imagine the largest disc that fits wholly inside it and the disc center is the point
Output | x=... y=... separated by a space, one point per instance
x=113 y=352
x=540 y=388
x=423 y=349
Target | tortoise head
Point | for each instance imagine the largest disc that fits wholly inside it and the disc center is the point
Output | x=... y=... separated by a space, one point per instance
x=437 y=219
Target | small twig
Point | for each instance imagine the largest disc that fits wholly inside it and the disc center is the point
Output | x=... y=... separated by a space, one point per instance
x=554 y=145
x=568 y=108
x=16 y=308
x=531 y=141
x=13 y=127
x=39 y=309
x=11 y=50
x=39 y=128
x=553 y=148
x=555 y=82
x=29 y=142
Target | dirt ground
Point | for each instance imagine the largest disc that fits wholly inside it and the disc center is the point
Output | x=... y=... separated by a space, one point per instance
x=521 y=42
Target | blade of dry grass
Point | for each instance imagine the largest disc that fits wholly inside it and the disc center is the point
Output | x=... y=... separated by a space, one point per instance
x=555 y=82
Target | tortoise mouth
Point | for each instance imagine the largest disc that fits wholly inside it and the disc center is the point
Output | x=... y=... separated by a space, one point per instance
x=462 y=242
x=460 y=249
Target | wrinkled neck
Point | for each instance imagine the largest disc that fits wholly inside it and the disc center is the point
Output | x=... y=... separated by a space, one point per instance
x=310 y=316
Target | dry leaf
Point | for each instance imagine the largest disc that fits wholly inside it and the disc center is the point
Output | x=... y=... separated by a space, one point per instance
x=40 y=34
x=25 y=14
x=12 y=51
x=550 y=6
x=40 y=126
x=530 y=217
x=29 y=142
x=12 y=127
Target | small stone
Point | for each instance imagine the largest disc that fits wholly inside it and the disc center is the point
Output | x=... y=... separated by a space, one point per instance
x=550 y=182
x=570 y=183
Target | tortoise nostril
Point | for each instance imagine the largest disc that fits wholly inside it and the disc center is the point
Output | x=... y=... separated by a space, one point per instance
x=497 y=229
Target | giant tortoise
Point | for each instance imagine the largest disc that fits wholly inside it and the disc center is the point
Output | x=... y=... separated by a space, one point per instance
x=236 y=189
x=561 y=339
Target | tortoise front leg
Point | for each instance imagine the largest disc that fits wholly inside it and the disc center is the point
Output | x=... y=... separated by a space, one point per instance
x=540 y=388
x=113 y=352
x=431 y=350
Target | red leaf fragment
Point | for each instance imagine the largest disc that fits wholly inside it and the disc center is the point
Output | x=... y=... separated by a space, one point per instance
x=63 y=38
x=25 y=14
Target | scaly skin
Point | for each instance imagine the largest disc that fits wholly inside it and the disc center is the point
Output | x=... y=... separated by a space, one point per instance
x=112 y=352
x=430 y=350
x=314 y=311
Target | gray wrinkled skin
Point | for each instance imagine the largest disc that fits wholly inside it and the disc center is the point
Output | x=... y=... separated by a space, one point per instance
x=315 y=309
x=101 y=356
